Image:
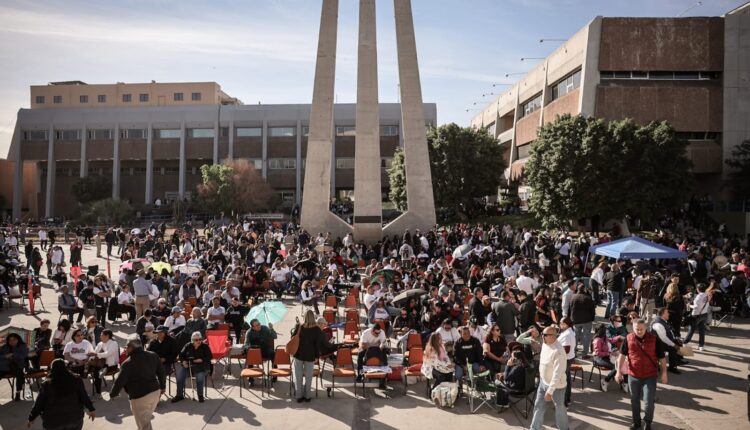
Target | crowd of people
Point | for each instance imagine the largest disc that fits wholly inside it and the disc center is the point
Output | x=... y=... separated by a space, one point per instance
x=481 y=301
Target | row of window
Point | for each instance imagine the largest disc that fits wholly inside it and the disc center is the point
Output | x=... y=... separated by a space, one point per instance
x=195 y=133
x=697 y=135
x=126 y=98
x=558 y=89
x=661 y=76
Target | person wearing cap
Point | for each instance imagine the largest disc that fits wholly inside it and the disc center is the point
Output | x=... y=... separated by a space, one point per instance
x=175 y=322
x=143 y=378
x=194 y=360
x=165 y=346
x=142 y=291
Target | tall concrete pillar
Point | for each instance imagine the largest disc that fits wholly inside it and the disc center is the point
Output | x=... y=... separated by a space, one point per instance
x=149 y=193
x=368 y=209
x=545 y=94
x=183 y=163
x=49 y=198
x=84 y=170
x=264 y=149
x=116 y=165
x=420 y=200
x=216 y=141
x=18 y=172
x=315 y=215
x=231 y=140
x=298 y=176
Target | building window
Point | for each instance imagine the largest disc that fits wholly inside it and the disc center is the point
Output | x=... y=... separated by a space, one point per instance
x=143 y=98
x=386 y=162
x=249 y=132
x=201 y=133
x=566 y=85
x=196 y=97
x=286 y=196
x=127 y=98
x=223 y=131
x=531 y=105
x=346 y=131
x=344 y=163
x=660 y=75
x=178 y=97
x=697 y=135
x=389 y=130
x=171 y=171
x=523 y=152
x=135 y=133
x=173 y=133
x=282 y=163
x=257 y=163
x=83 y=99
x=35 y=135
x=491 y=129
x=40 y=100
x=281 y=131
x=101 y=98
x=305 y=130
x=69 y=134
x=57 y=99
x=100 y=134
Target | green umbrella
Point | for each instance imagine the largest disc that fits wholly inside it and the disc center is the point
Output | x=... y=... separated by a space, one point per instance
x=267 y=312
x=386 y=275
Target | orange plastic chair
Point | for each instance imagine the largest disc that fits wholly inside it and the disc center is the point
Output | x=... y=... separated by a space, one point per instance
x=281 y=358
x=331 y=302
x=373 y=361
x=343 y=368
x=415 y=365
x=253 y=367
x=351 y=332
x=413 y=340
x=45 y=360
x=352 y=315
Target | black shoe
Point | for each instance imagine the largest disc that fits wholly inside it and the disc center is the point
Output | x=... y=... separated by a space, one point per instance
x=307 y=399
x=251 y=382
x=300 y=400
x=683 y=362
x=18 y=397
x=673 y=370
x=647 y=426
x=176 y=399
x=635 y=426
x=200 y=399
x=360 y=378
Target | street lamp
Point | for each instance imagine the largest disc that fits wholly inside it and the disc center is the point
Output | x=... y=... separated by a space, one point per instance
x=532 y=58
x=552 y=40
x=514 y=74
x=502 y=83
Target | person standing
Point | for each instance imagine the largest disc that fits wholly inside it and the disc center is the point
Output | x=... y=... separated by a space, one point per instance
x=61 y=400
x=613 y=281
x=43 y=238
x=98 y=242
x=583 y=313
x=143 y=378
x=312 y=342
x=552 y=383
x=142 y=290
x=699 y=314
x=643 y=350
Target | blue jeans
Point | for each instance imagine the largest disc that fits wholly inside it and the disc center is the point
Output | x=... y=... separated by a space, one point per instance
x=303 y=369
x=613 y=298
x=700 y=323
x=182 y=374
x=645 y=389
x=540 y=407
x=460 y=371
x=583 y=336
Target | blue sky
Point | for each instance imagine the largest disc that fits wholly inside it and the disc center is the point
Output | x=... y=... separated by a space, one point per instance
x=264 y=50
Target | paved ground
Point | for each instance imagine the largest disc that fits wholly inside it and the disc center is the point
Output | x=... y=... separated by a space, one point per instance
x=710 y=394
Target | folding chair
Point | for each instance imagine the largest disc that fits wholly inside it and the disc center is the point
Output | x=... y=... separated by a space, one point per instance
x=219 y=346
x=415 y=365
x=479 y=386
x=281 y=358
x=351 y=315
x=253 y=368
x=527 y=395
x=45 y=360
x=368 y=376
x=350 y=303
x=574 y=369
x=412 y=341
x=343 y=368
x=331 y=302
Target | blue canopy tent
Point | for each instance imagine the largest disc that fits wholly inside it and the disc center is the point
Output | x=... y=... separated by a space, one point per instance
x=635 y=248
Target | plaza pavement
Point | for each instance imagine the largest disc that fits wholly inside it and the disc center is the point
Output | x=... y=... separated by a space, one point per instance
x=710 y=394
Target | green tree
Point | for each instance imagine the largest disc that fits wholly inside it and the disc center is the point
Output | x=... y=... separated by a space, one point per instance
x=234 y=187
x=739 y=176
x=582 y=167
x=466 y=164
x=92 y=188
x=108 y=212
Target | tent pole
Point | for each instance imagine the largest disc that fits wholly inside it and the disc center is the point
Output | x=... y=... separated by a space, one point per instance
x=586 y=262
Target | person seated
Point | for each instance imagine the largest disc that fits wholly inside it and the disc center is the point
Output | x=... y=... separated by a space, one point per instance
x=126 y=303
x=494 y=347
x=196 y=323
x=236 y=317
x=93 y=331
x=105 y=358
x=165 y=347
x=68 y=305
x=628 y=306
x=261 y=337
x=42 y=336
x=215 y=313
x=308 y=297
x=616 y=330
x=380 y=312
x=13 y=355
x=61 y=337
x=467 y=349
x=436 y=362
x=330 y=288
x=161 y=312
x=77 y=353
x=194 y=361
x=188 y=291
x=145 y=326
x=513 y=379
x=532 y=340
x=663 y=330
x=371 y=344
x=175 y=322
x=448 y=334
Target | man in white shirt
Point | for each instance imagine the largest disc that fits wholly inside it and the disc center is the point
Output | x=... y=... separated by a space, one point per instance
x=176 y=321
x=216 y=313
x=125 y=302
x=524 y=283
x=566 y=296
x=371 y=344
x=552 y=382
x=280 y=278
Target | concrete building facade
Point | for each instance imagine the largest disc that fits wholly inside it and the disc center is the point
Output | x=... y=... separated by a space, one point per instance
x=156 y=151
x=692 y=72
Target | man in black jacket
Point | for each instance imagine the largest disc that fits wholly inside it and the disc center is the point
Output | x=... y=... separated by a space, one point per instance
x=526 y=312
x=165 y=347
x=583 y=313
x=467 y=349
x=143 y=378
x=476 y=308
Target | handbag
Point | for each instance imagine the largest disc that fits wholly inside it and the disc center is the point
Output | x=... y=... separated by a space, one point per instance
x=685 y=351
x=293 y=345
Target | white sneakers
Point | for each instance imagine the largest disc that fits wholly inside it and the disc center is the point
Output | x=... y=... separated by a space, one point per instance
x=605 y=385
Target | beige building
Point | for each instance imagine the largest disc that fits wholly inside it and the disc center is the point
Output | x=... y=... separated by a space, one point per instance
x=68 y=94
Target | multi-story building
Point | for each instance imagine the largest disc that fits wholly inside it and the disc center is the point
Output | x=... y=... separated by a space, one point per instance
x=692 y=72
x=151 y=139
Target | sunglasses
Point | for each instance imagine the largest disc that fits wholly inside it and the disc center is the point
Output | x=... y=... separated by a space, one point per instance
x=549 y=334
